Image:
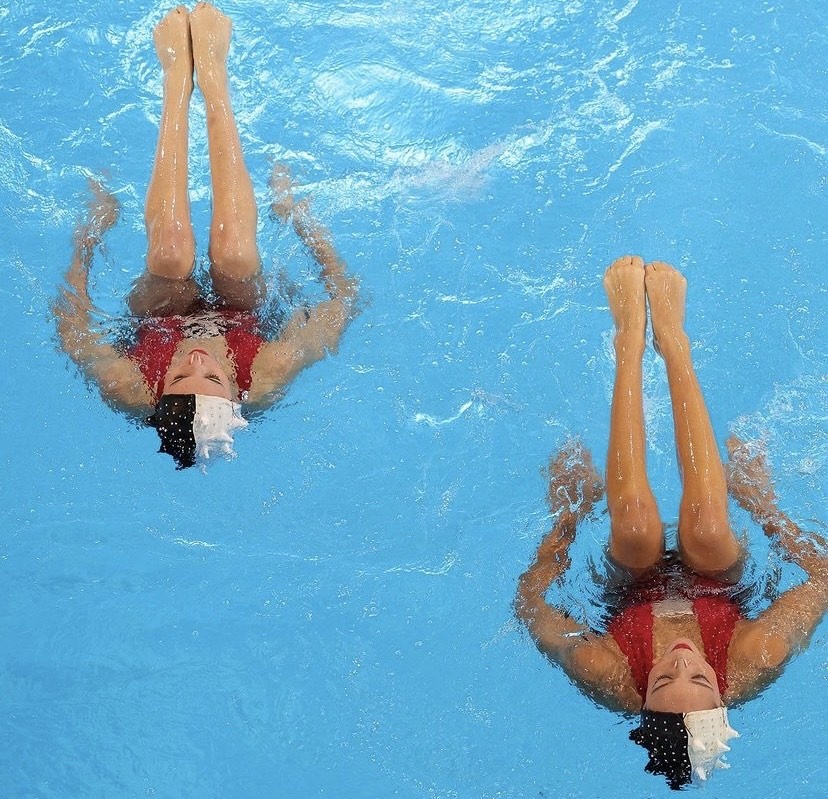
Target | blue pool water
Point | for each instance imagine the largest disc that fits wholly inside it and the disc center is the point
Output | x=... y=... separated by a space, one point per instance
x=329 y=615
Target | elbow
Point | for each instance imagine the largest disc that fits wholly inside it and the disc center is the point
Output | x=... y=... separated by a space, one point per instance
x=525 y=603
x=335 y=317
x=774 y=650
x=346 y=288
x=519 y=607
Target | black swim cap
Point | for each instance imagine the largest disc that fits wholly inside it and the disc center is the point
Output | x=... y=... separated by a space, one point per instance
x=196 y=427
x=665 y=738
x=173 y=421
x=685 y=746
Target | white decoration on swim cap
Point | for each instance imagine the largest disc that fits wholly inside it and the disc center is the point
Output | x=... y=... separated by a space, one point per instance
x=215 y=420
x=708 y=732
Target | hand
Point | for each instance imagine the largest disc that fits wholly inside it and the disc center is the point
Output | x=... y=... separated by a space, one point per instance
x=104 y=208
x=282 y=187
x=748 y=476
x=574 y=484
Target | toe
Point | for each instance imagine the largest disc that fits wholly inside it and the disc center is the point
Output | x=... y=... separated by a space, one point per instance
x=626 y=261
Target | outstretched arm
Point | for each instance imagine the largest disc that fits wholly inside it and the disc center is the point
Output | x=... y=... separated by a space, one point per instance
x=550 y=627
x=310 y=333
x=321 y=331
x=587 y=657
x=787 y=625
x=118 y=379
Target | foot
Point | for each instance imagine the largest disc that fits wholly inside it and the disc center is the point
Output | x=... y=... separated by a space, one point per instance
x=172 y=44
x=624 y=285
x=666 y=290
x=210 y=31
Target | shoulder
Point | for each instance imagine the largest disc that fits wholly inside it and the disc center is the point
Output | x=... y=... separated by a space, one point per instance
x=756 y=657
x=121 y=381
x=273 y=367
x=760 y=644
x=599 y=668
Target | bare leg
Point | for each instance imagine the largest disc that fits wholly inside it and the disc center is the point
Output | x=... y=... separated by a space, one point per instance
x=233 y=253
x=167 y=214
x=167 y=287
x=706 y=542
x=637 y=535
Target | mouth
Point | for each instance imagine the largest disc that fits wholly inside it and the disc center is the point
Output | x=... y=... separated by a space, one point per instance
x=681 y=646
x=203 y=352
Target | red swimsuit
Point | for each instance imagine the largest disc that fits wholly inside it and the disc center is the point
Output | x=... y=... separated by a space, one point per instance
x=715 y=611
x=157 y=339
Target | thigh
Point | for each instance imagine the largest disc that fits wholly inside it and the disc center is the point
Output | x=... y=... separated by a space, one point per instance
x=238 y=294
x=723 y=561
x=154 y=295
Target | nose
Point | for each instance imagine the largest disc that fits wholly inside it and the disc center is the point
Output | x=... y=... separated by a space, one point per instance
x=196 y=358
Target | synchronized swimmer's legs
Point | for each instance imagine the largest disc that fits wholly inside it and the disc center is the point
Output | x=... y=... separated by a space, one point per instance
x=201 y=40
x=184 y=41
x=636 y=537
x=171 y=251
x=234 y=257
x=706 y=542
x=167 y=286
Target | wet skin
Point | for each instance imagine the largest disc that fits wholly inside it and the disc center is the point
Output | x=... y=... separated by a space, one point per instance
x=197 y=372
x=682 y=681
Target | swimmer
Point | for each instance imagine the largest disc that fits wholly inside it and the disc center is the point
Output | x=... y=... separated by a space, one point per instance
x=678 y=649
x=194 y=361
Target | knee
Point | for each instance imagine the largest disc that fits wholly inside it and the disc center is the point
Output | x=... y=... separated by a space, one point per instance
x=637 y=538
x=171 y=256
x=232 y=256
x=706 y=541
x=703 y=524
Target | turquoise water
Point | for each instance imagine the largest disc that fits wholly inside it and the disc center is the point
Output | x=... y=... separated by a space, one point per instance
x=329 y=615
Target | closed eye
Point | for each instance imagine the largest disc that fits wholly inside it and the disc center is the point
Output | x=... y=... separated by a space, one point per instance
x=215 y=378
x=701 y=679
x=666 y=679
